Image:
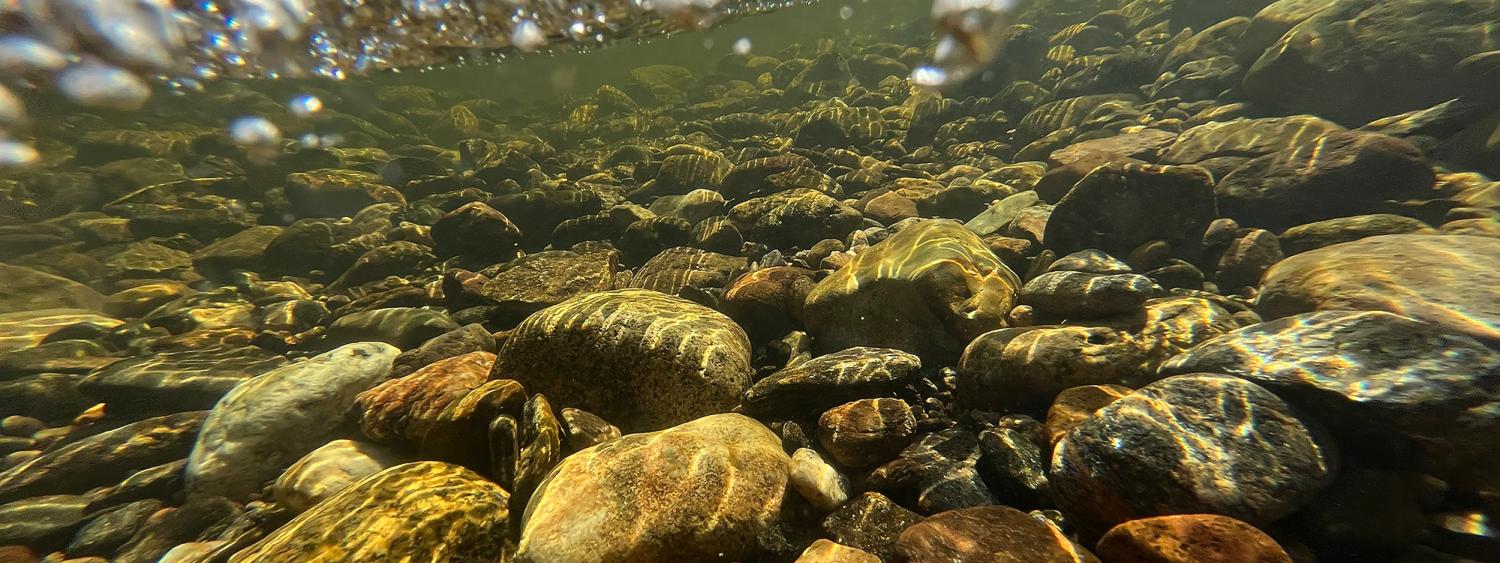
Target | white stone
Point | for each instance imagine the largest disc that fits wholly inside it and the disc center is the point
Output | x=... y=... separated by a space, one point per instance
x=819 y=482
x=329 y=469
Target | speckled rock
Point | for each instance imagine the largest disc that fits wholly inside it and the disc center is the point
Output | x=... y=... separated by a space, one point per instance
x=1373 y=376
x=457 y=342
x=1443 y=280
x=428 y=511
x=988 y=533
x=682 y=267
x=329 y=469
x=267 y=423
x=591 y=508
x=820 y=483
x=1189 y=538
x=795 y=217
x=870 y=522
x=866 y=432
x=401 y=410
x=929 y=289
x=822 y=382
x=1190 y=444
x=103 y=459
x=656 y=360
x=824 y=551
x=1027 y=367
x=1117 y=207
x=1066 y=294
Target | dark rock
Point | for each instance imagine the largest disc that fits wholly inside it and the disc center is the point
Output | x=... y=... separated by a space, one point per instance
x=1090 y=261
x=1247 y=258
x=796 y=217
x=110 y=529
x=175 y=381
x=44 y=522
x=337 y=193
x=457 y=342
x=1119 y=206
x=1076 y=404
x=245 y=250
x=394 y=259
x=1013 y=466
x=402 y=327
x=988 y=533
x=769 y=302
x=866 y=432
x=1312 y=236
x=585 y=429
x=940 y=470
x=1189 y=444
x=536 y=281
x=31 y=290
x=812 y=386
x=1068 y=294
x=870 y=522
x=478 y=231
x=401 y=410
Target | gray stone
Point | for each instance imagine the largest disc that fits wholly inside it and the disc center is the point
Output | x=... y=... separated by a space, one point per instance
x=1066 y=294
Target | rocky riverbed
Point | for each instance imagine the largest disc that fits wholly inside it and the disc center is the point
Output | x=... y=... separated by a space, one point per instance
x=1168 y=281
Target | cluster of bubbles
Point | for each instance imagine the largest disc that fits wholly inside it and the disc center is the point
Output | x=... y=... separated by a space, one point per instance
x=107 y=53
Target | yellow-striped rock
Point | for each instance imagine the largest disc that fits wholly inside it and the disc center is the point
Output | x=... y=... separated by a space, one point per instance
x=696 y=492
x=423 y=511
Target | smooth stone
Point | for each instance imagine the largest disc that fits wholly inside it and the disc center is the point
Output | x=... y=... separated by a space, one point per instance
x=245 y=250
x=711 y=487
x=403 y=409
x=193 y=379
x=1247 y=258
x=1371 y=375
x=1013 y=466
x=1001 y=213
x=810 y=387
x=427 y=511
x=1189 y=538
x=988 y=533
x=30 y=290
x=27 y=329
x=475 y=230
x=1442 y=280
x=331 y=468
x=585 y=429
x=640 y=359
x=928 y=290
x=111 y=529
x=44 y=522
x=820 y=483
x=676 y=269
x=1312 y=236
x=797 y=217
x=159 y=482
x=1091 y=261
x=456 y=342
x=1246 y=138
x=1069 y=294
x=536 y=281
x=824 y=551
x=103 y=459
x=1076 y=404
x=769 y=302
x=265 y=424
x=1190 y=444
x=871 y=522
x=1117 y=207
x=866 y=432
x=402 y=327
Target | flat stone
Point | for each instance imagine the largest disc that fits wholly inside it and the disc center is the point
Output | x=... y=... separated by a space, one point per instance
x=429 y=511
x=824 y=551
x=457 y=342
x=942 y=469
x=1001 y=213
x=403 y=409
x=331 y=468
x=44 y=522
x=640 y=359
x=267 y=423
x=402 y=327
x=30 y=290
x=536 y=281
x=1442 y=280
x=26 y=329
x=111 y=529
x=193 y=379
x=1311 y=236
x=1118 y=207
x=988 y=533
x=1189 y=444
x=822 y=382
x=103 y=459
x=1068 y=294
x=700 y=490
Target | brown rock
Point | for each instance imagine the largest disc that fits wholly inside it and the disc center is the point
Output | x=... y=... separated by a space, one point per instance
x=1075 y=404
x=403 y=409
x=866 y=432
x=890 y=207
x=988 y=533
x=824 y=551
x=1189 y=538
x=768 y=302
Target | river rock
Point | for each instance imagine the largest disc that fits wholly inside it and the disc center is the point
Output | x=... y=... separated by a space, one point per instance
x=1118 y=207
x=111 y=528
x=929 y=289
x=988 y=533
x=824 y=551
x=402 y=327
x=649 y=360
x=1189 y=444
x=536 y=281
x=475 y=230
x=1442 y=280
x=941 y=468
x=265 y=424
x=177 y=380
x=245 y=250
x=822 y=382
x=428 y=511
x=1240 y=140
x=678 y=268
x=43 y=522
x=1076 y=404
x=1312 y=236
x=1370 y=375
x=866 y=432
x=331 y=468
x=796 y=217
x=457 y=342
x=403 y=409
x=870 y=522
x=1188 y=538
x=1090 y=261
x=768 y=302
x=717 y=482
x=1065 y=294
x=103 y=459
x=337 y=193
x=820 y=483
x=30 y=290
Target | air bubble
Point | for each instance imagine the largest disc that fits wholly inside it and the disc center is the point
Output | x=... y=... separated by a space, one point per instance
x=846 y=12
x=17 y=154
x=527 y=36
x=928 y=76
x=305 y=105
x=742 y=46
x=254 y=131
x=103 y=86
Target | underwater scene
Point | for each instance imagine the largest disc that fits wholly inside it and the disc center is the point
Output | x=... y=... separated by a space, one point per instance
x=814 y=281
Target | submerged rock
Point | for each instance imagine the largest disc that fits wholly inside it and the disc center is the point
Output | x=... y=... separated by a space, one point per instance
x=103 y=459
x=825 y=381
x=640 y=359
x=1187 y=538
x=592 y=506
x=988 y=533
x=331 y=468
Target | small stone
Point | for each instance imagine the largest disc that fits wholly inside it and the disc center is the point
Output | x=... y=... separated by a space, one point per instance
x=866 y=432
x=331 y=468
x=768 y=302
x=401 y=410
x=1312 y=236
x=476 y=230
x=102 y=459
x=822 y=382
x=45 y=522
x=457 y=342
x=988 y=533
x=1013 y=466
x=824 y=551
x=942 y=469
x=817 y=481
x=24 y=426
x=1072 y=294
x=402 y=327
x=111 y=529
x=585 y=429
x=1076 y=404
x=1189 y=538
x=1090 y=261
x=890 y=207
x=1117 y=207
